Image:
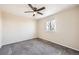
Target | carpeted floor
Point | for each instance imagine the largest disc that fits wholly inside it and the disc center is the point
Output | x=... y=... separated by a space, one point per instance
x=36 y=47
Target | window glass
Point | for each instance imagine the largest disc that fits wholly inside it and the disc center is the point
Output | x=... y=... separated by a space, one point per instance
x=51 y=25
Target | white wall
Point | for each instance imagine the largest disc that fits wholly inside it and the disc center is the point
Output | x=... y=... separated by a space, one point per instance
x=0 y=28
x=16 y=28
x=67 y=30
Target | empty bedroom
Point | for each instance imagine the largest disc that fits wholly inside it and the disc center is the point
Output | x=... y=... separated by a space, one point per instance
x=39 y=29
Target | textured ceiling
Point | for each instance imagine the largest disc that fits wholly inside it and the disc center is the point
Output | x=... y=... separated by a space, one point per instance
x=18 y=9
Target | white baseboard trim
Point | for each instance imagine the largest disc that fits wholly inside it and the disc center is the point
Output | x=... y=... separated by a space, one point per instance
x=0 y=46
x=16 y=41
x=61 y=44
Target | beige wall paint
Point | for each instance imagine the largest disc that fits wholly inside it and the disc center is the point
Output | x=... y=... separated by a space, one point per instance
x=16 y=28
x=67 y=30
x=0 y=28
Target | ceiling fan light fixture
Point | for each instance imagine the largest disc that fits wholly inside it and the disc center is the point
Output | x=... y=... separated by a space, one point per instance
x=34 y=13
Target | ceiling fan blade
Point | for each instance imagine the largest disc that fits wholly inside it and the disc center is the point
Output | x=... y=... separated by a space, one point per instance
x=40 y=13
x=41 y=9
x=28 y=11
x=31 y=6
x=33 y=14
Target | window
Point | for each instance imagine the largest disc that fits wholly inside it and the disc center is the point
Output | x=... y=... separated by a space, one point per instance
x=51 y=25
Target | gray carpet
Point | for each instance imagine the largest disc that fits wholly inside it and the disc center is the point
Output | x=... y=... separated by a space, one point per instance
x=36 y=47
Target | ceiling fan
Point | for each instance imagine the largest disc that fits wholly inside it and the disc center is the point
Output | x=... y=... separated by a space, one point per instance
x=35 y=10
